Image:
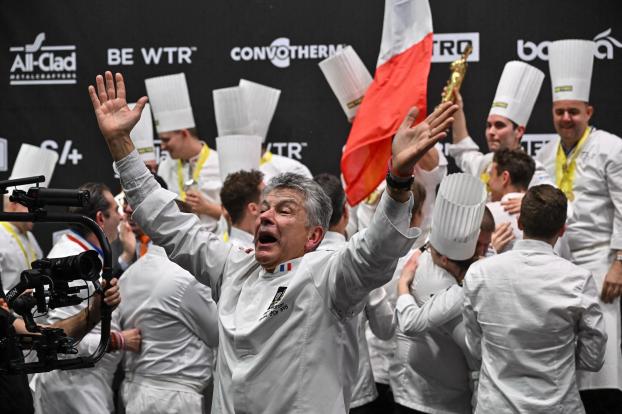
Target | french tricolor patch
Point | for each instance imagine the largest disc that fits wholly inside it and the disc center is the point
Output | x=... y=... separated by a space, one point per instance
x=285 y=267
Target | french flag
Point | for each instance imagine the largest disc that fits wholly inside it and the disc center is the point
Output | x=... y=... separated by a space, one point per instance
x=285 y=267
x=400 y=82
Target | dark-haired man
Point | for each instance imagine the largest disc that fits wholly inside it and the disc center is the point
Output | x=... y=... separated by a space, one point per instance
x=85 y=390
x=511 y=108
x=587 y=165
x=536 y=312
x=376 y=308
x=510 y=176
x=240 y=196
x=192 y=169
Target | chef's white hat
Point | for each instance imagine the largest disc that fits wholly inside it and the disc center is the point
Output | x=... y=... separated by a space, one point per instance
x=31 y=161
x=457 y=216
x=570 y=64
x=231 y=112
x=170 y=102
x=260 y=102
x=238 y=152
x=517 y=91
x=142 y=134
x=348 y=78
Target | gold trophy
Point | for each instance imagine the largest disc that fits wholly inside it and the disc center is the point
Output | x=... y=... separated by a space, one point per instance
x=458 y=69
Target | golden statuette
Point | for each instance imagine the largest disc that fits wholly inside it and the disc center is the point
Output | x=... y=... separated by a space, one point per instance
x=458 y=69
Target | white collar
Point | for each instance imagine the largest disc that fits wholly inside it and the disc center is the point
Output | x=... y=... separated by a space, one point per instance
x=241 y=237
x=332 y=241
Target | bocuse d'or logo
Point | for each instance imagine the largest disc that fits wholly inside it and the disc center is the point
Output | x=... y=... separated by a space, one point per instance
x=35 y=64
x=281 y=52
x=605 y=47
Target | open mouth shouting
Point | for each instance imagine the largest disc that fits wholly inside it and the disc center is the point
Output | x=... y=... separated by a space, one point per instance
x=265 y=239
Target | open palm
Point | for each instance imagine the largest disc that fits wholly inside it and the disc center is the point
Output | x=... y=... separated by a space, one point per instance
x=412 y=142
x=114 y=117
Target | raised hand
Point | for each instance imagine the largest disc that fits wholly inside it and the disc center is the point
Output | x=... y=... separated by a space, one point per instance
x=412 y=142
x=114 y=117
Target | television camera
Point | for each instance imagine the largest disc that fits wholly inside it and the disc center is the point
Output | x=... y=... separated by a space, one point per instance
x=53 y=285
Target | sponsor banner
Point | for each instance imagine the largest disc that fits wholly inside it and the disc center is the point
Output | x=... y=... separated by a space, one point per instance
x=67 y=152
x=448 y=47
x=38 y=64
x=533 y=142
x=281 y=52
x=606 y=46
x=169 y=55
x=287 y=149
x=530 y=142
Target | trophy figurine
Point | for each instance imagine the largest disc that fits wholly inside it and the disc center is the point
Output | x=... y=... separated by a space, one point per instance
x=458 y=69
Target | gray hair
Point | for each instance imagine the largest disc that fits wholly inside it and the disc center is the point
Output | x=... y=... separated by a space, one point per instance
x=317 y=203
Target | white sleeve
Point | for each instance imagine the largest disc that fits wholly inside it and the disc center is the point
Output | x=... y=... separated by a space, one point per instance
x=467 y=155
x=473 y=332
x=200 y=313
x=436 y=312
x=379 y=313
x=369 y=258
x=186 y=242
x=591 y=336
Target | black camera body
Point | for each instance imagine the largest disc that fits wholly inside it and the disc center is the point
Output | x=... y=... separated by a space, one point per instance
x=51 y=283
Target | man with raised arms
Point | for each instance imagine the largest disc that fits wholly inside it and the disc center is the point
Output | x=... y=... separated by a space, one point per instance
x=282 y=306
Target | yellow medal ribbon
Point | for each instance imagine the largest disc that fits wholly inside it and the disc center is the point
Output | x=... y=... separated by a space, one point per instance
x=564 y=170
x=33 y=254
x=265 y=158
x=203 y=155
x=485 y=176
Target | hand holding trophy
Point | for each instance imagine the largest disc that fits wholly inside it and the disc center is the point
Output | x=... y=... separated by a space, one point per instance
x=458 y=71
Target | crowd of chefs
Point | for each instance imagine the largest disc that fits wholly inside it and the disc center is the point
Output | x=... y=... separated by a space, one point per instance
x=505 y=299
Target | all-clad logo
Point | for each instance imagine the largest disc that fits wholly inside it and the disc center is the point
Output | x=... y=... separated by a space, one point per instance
x=35 y=64
x=605 y=47
x=448 y=47
x=281 y=52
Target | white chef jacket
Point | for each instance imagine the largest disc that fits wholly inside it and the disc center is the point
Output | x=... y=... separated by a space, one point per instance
x=209 y=180
x=470 y=160
x=12 y=259
x=278 y=164
x=501 y=216
x=594 y=233
x=380 y=316
x=380 y=350
x=275 y=328
x=241 y=238
x=532 y=318
x=429 y=371
x=177 y=318
x=80 y=390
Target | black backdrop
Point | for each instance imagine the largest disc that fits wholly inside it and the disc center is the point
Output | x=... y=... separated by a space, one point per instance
x=217 y=43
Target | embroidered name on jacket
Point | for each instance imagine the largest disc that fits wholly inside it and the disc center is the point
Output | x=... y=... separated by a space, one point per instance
x=276 y=306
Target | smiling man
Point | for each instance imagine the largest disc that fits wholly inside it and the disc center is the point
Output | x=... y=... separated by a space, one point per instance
x=587 y=165
x=511 y=108
x=191 y=171
x=281 y=307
